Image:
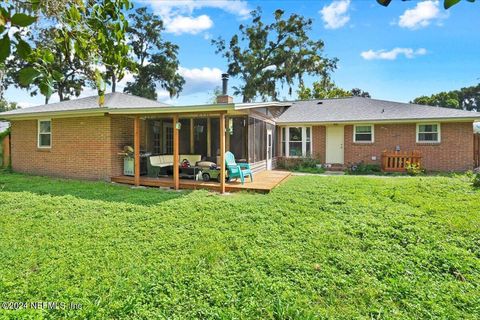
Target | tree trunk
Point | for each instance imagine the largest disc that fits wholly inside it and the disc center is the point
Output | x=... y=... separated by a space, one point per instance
x=46 y=100
x=114 y=82
x=60 y=93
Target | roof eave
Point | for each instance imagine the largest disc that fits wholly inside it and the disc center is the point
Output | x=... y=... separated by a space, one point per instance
x=346 y=122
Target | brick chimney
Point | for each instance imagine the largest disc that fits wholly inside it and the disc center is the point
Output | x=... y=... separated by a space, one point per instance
x=224 y=98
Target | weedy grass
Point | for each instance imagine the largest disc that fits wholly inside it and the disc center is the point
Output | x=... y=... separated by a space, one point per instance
x=315 y=247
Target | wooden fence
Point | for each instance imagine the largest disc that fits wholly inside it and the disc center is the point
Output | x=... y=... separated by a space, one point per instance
x=393 y=161
x=476 y=149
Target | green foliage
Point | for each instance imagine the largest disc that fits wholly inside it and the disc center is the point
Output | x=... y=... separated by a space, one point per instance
x=467 y=98
x=157 y=61
x=364 y=168
x=322 y=90
x=476 y=180
x=307 y=165
x=7 y=106
x=446 y=3
x=413 y=168
x=315 y=247
x=265 y=55
x=327 y=89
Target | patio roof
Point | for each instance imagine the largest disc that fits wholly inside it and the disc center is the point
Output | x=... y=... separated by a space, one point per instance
x=115 y=103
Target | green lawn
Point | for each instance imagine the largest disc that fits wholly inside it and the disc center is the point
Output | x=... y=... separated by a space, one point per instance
x=315 y=247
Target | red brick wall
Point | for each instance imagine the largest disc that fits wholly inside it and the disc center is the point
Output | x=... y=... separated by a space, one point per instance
x=80 y=148
x=453 y=153
x=319 y=142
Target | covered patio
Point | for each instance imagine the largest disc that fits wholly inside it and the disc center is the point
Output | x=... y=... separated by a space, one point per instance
x=162 y=140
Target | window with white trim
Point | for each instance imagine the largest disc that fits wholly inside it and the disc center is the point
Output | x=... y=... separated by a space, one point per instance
x=44 y=133
x=428 y=132
x=296 y=141
x=363 y=133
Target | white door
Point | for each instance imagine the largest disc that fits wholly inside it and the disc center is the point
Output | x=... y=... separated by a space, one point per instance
x=335 y=140
x=269 y=149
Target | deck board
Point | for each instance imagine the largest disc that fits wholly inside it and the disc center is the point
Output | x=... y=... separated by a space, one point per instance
x=263 y=182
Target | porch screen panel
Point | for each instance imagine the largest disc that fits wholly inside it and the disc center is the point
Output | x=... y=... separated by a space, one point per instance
x=260 y=141
x=215 y=138
x=238 y=139
x=251 y=139
x=200 y=136
x=184 y=135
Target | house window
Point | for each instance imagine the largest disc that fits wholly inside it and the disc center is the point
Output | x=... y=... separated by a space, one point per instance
x=363 y=133
x=44 y=133
x=428 y=132
x=296 y=141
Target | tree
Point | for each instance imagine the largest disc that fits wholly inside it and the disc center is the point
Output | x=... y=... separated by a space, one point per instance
x=357 y=92
x=7 y=106
x=17 y=16
x=327 y=89
x=94 y=29
x=264 y=55
x=156 y=59
x=66 y=68
x=467 y=98
x=446 y=3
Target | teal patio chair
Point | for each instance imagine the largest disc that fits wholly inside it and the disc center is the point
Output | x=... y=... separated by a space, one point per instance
x=240 y=170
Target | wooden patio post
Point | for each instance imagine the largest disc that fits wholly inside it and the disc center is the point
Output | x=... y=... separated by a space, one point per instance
x=176 y=160
x=136 y=147
x=222 y=152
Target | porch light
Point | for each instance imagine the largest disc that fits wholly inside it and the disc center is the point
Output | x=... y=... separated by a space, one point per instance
x=178 y=125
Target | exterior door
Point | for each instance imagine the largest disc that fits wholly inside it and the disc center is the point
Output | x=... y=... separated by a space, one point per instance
x=269 y=149
x=335 y=140
x=167 y=138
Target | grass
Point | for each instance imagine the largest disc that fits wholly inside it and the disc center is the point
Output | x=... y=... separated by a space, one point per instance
x=315 y=247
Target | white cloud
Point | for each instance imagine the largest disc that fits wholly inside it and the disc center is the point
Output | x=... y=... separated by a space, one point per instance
x=335 y=15
x=200 y=79
x=392 y=54
x=184 y=24
x=421 y=15
x=178 y=15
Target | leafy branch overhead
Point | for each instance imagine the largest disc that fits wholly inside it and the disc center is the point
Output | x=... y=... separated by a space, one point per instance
x=446 y=3
x=85 y=43
x=156 y=59
x=266 y=56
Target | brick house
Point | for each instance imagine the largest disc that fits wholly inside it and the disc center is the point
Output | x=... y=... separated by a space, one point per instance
x=79 y=139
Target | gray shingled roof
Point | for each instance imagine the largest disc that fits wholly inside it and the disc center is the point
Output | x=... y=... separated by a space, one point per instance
x=115 y=100
x=365 y=109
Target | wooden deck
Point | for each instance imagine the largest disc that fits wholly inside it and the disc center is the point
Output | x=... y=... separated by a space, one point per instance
x=263 y=182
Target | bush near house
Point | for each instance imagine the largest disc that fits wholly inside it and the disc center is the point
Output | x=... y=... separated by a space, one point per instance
x=306 y=164
x=316 y=247
x=364 y=168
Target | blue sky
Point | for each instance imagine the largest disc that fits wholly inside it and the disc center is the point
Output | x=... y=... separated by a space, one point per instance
x=397 y=53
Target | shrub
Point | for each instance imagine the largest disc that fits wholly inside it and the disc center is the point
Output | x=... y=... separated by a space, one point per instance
x=307 y=164
x=363 y=168
x=476 y=180
x=413 y=168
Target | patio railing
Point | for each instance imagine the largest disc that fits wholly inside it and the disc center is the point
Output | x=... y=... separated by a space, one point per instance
x=395 y=161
